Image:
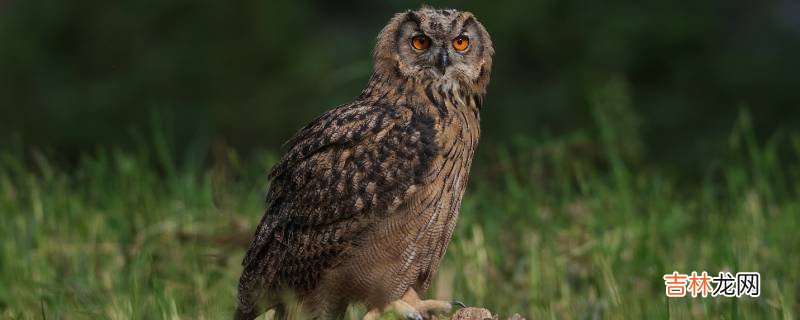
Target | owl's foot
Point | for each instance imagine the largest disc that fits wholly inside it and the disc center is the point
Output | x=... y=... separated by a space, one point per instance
x=411 y=307
x=430 y=308
x=399 y=307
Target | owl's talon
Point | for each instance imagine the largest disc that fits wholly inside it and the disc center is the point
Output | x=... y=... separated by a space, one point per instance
x=413 y=316
x=458 y=303
x=399 y=307
x=430 y=308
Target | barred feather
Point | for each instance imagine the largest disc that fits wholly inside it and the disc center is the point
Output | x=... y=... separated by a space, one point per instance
x=363 y=204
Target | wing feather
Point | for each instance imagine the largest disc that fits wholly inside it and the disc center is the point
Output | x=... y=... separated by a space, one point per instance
x=351 y=164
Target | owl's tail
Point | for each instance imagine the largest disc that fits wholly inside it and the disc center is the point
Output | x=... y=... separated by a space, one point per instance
x=250 y=287
x=245 y=315
x=253 y=313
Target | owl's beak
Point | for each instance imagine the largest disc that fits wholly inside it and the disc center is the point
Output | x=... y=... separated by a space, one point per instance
x=442 y=60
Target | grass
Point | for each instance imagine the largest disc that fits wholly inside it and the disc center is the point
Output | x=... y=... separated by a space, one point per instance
x=544 y=231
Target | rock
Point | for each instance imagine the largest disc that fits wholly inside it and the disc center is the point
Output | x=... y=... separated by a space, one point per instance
x=472 y=314
x=479 y=314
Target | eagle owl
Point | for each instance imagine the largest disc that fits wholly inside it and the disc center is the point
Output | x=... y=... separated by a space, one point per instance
x=362 y=206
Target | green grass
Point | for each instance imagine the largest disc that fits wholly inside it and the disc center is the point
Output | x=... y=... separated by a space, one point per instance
x=543 y=232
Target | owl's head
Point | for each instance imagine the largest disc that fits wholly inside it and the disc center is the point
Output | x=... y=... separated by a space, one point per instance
x=430 y=45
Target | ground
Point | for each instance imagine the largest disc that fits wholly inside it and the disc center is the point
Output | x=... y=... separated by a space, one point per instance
x=132 y=234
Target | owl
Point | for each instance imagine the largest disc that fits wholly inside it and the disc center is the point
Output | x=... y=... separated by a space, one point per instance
x=362 y=206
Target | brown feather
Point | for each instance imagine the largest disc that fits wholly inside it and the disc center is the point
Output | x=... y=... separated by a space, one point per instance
x=362 y=206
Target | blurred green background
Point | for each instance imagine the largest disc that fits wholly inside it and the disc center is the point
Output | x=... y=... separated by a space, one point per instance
x=74 y=75
x=622 y=140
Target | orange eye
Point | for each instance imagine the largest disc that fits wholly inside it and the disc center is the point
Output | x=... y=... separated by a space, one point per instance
x=420 y=42
x=461 y=43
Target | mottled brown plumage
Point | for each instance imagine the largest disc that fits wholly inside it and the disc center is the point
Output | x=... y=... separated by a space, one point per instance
x=362 y=206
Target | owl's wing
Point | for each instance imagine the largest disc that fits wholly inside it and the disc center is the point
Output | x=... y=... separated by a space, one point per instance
x=352 y=162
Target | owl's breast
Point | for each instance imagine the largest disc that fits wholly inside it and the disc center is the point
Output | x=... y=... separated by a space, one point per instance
x=437 y=205
x=403 y=247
